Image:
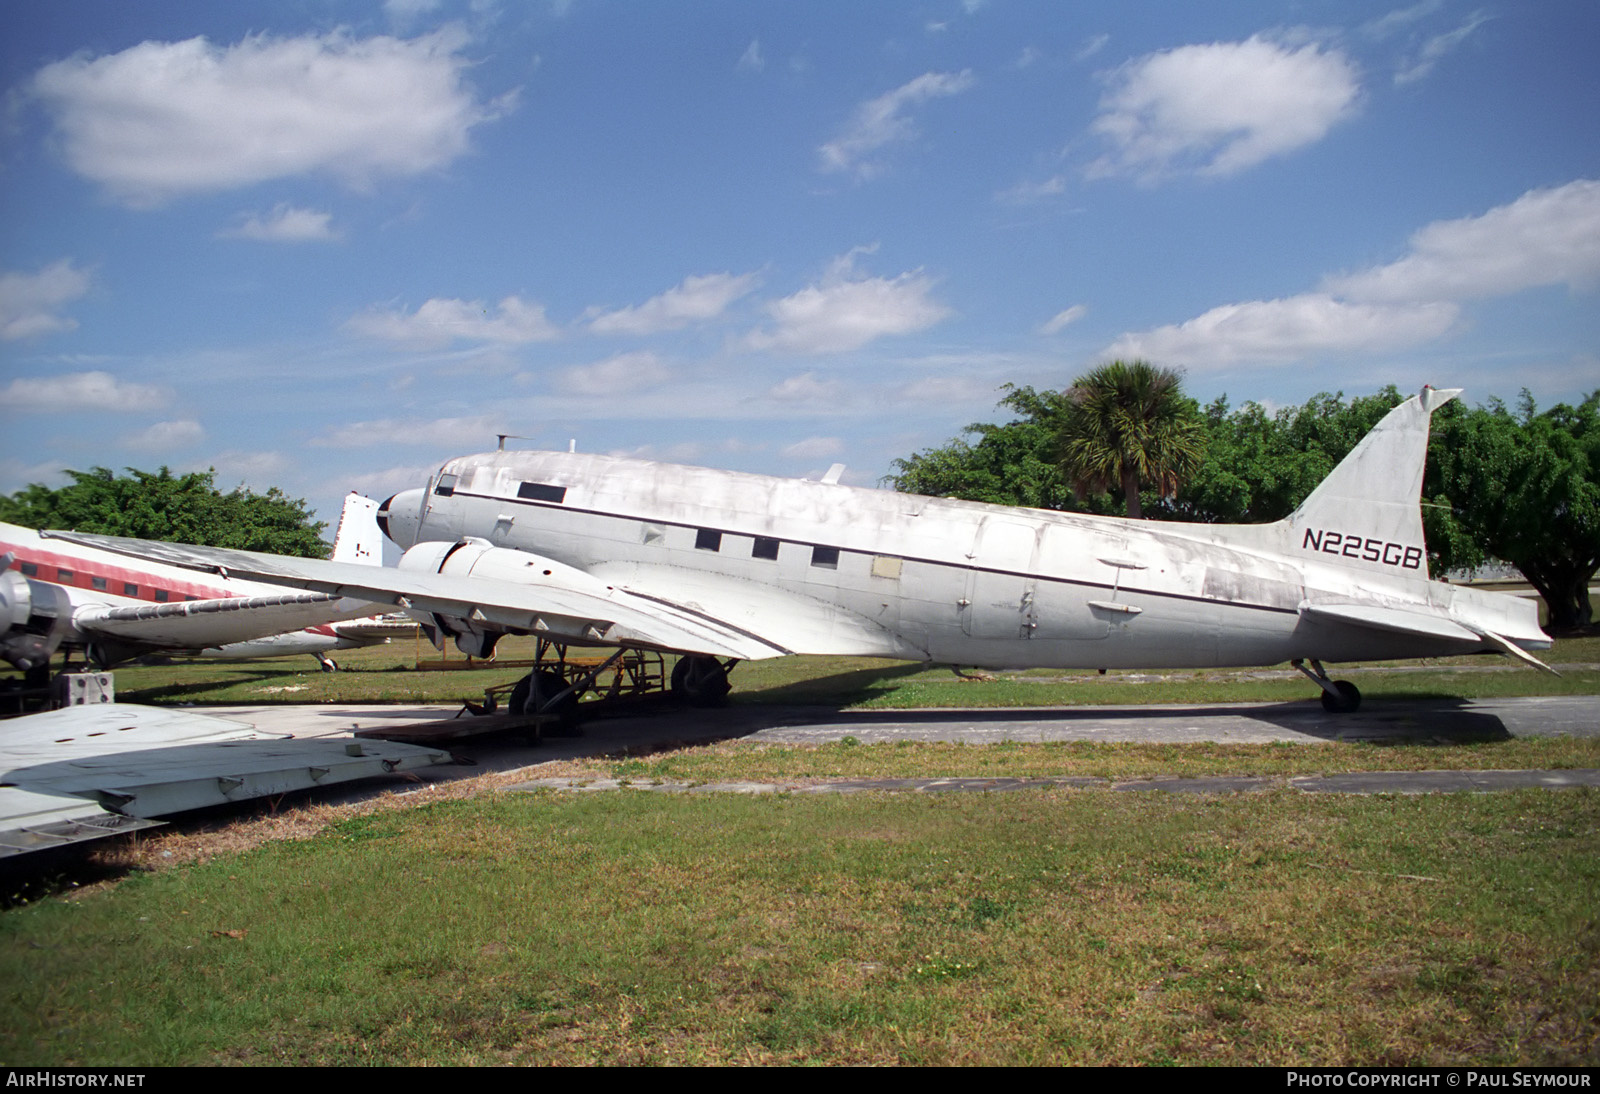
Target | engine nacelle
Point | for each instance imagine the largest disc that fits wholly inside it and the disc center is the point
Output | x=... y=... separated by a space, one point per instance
x=37 y=617
x=478 y=558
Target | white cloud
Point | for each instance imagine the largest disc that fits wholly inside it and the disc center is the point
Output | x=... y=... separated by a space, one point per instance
x=1437 y=48
x=1400 y=19
x=624 y=374
x=455 y=433
x=285 y=224
x=254 y=469
x=1063 y=319
x=383 y=483
x=79 y=391
x=1026 y=193
x=30 y=304
x=14 y=474
x=1091 y=47
x=751 y=60
x=812 y=448
x=681 y=452
x=807 y=387
x=1286 y=330
x=844 y=312
x=166 y=118
x=440 y=321
x=166 y=436
x=948 y=391
x=1218 y=109
x=404 y=11
x=883 y=120
x=1545 y=237
x=695 y=299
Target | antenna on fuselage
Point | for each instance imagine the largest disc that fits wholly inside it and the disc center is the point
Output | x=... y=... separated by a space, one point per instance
x=572 y=445
x=501 y=447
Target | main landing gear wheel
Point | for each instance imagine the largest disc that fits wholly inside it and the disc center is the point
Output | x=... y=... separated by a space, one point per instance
x=1347 y=702
x=700 y=681
x=535 y=690
x=329 y=664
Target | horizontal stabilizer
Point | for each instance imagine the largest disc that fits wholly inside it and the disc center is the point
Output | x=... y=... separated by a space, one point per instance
x=1399 y=620
x=1423 y=624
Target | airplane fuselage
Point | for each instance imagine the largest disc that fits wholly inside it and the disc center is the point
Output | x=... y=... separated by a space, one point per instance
x=67 y=586
x=945 y=580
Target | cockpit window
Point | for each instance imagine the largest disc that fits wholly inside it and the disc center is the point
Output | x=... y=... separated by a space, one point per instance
x=446 y=486
x=542 y=491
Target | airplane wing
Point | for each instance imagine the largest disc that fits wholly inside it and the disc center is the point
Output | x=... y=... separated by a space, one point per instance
x=197 y=624
x=548 y=599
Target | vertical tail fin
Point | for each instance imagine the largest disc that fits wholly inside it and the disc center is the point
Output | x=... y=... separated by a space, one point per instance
x=358 y=538
x=1367 y=512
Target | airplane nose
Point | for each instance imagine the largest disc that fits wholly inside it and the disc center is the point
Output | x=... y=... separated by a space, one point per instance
x=400 y=516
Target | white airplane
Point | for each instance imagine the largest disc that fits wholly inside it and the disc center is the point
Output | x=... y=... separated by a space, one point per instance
x=59 y=595
x=601 y=551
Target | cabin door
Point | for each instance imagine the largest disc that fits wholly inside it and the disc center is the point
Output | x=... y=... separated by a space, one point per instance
x=1001 y=582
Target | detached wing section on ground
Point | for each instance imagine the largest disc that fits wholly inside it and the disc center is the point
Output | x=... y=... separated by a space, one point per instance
x=540 y=596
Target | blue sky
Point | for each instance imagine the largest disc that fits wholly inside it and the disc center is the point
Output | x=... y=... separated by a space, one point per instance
x=327 y=245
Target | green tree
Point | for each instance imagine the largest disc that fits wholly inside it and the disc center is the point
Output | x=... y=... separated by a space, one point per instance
x=1259 y=466
x=1525 y=488
x=1010 y=464
x=1128 y=423
x=177 y=508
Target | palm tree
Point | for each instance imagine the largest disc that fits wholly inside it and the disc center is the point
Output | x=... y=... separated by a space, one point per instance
x=1128 y=423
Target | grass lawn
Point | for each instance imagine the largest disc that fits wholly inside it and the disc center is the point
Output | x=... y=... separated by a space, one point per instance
x=1052 y=927
x=388 y=674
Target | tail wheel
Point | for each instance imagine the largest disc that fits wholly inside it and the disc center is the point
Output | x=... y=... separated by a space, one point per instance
x=1349 y=698
x=700 y=681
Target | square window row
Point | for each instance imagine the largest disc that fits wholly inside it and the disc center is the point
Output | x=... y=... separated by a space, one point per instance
x=709 y=539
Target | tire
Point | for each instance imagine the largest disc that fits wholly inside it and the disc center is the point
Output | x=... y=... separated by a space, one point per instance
x=531 y=693
x=700 y=681
x=1347 y=702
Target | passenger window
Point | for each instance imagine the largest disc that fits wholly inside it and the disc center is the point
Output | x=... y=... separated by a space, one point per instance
x=541 y=491
x=30 y=569
x=66 y=577
x=129 y=589
x=99 y=583
x=707 y=540
x=161 y=595
x=764 y=547
x=825 y=557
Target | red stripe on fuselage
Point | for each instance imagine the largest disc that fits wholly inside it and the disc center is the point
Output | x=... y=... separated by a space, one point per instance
x=84 y=570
